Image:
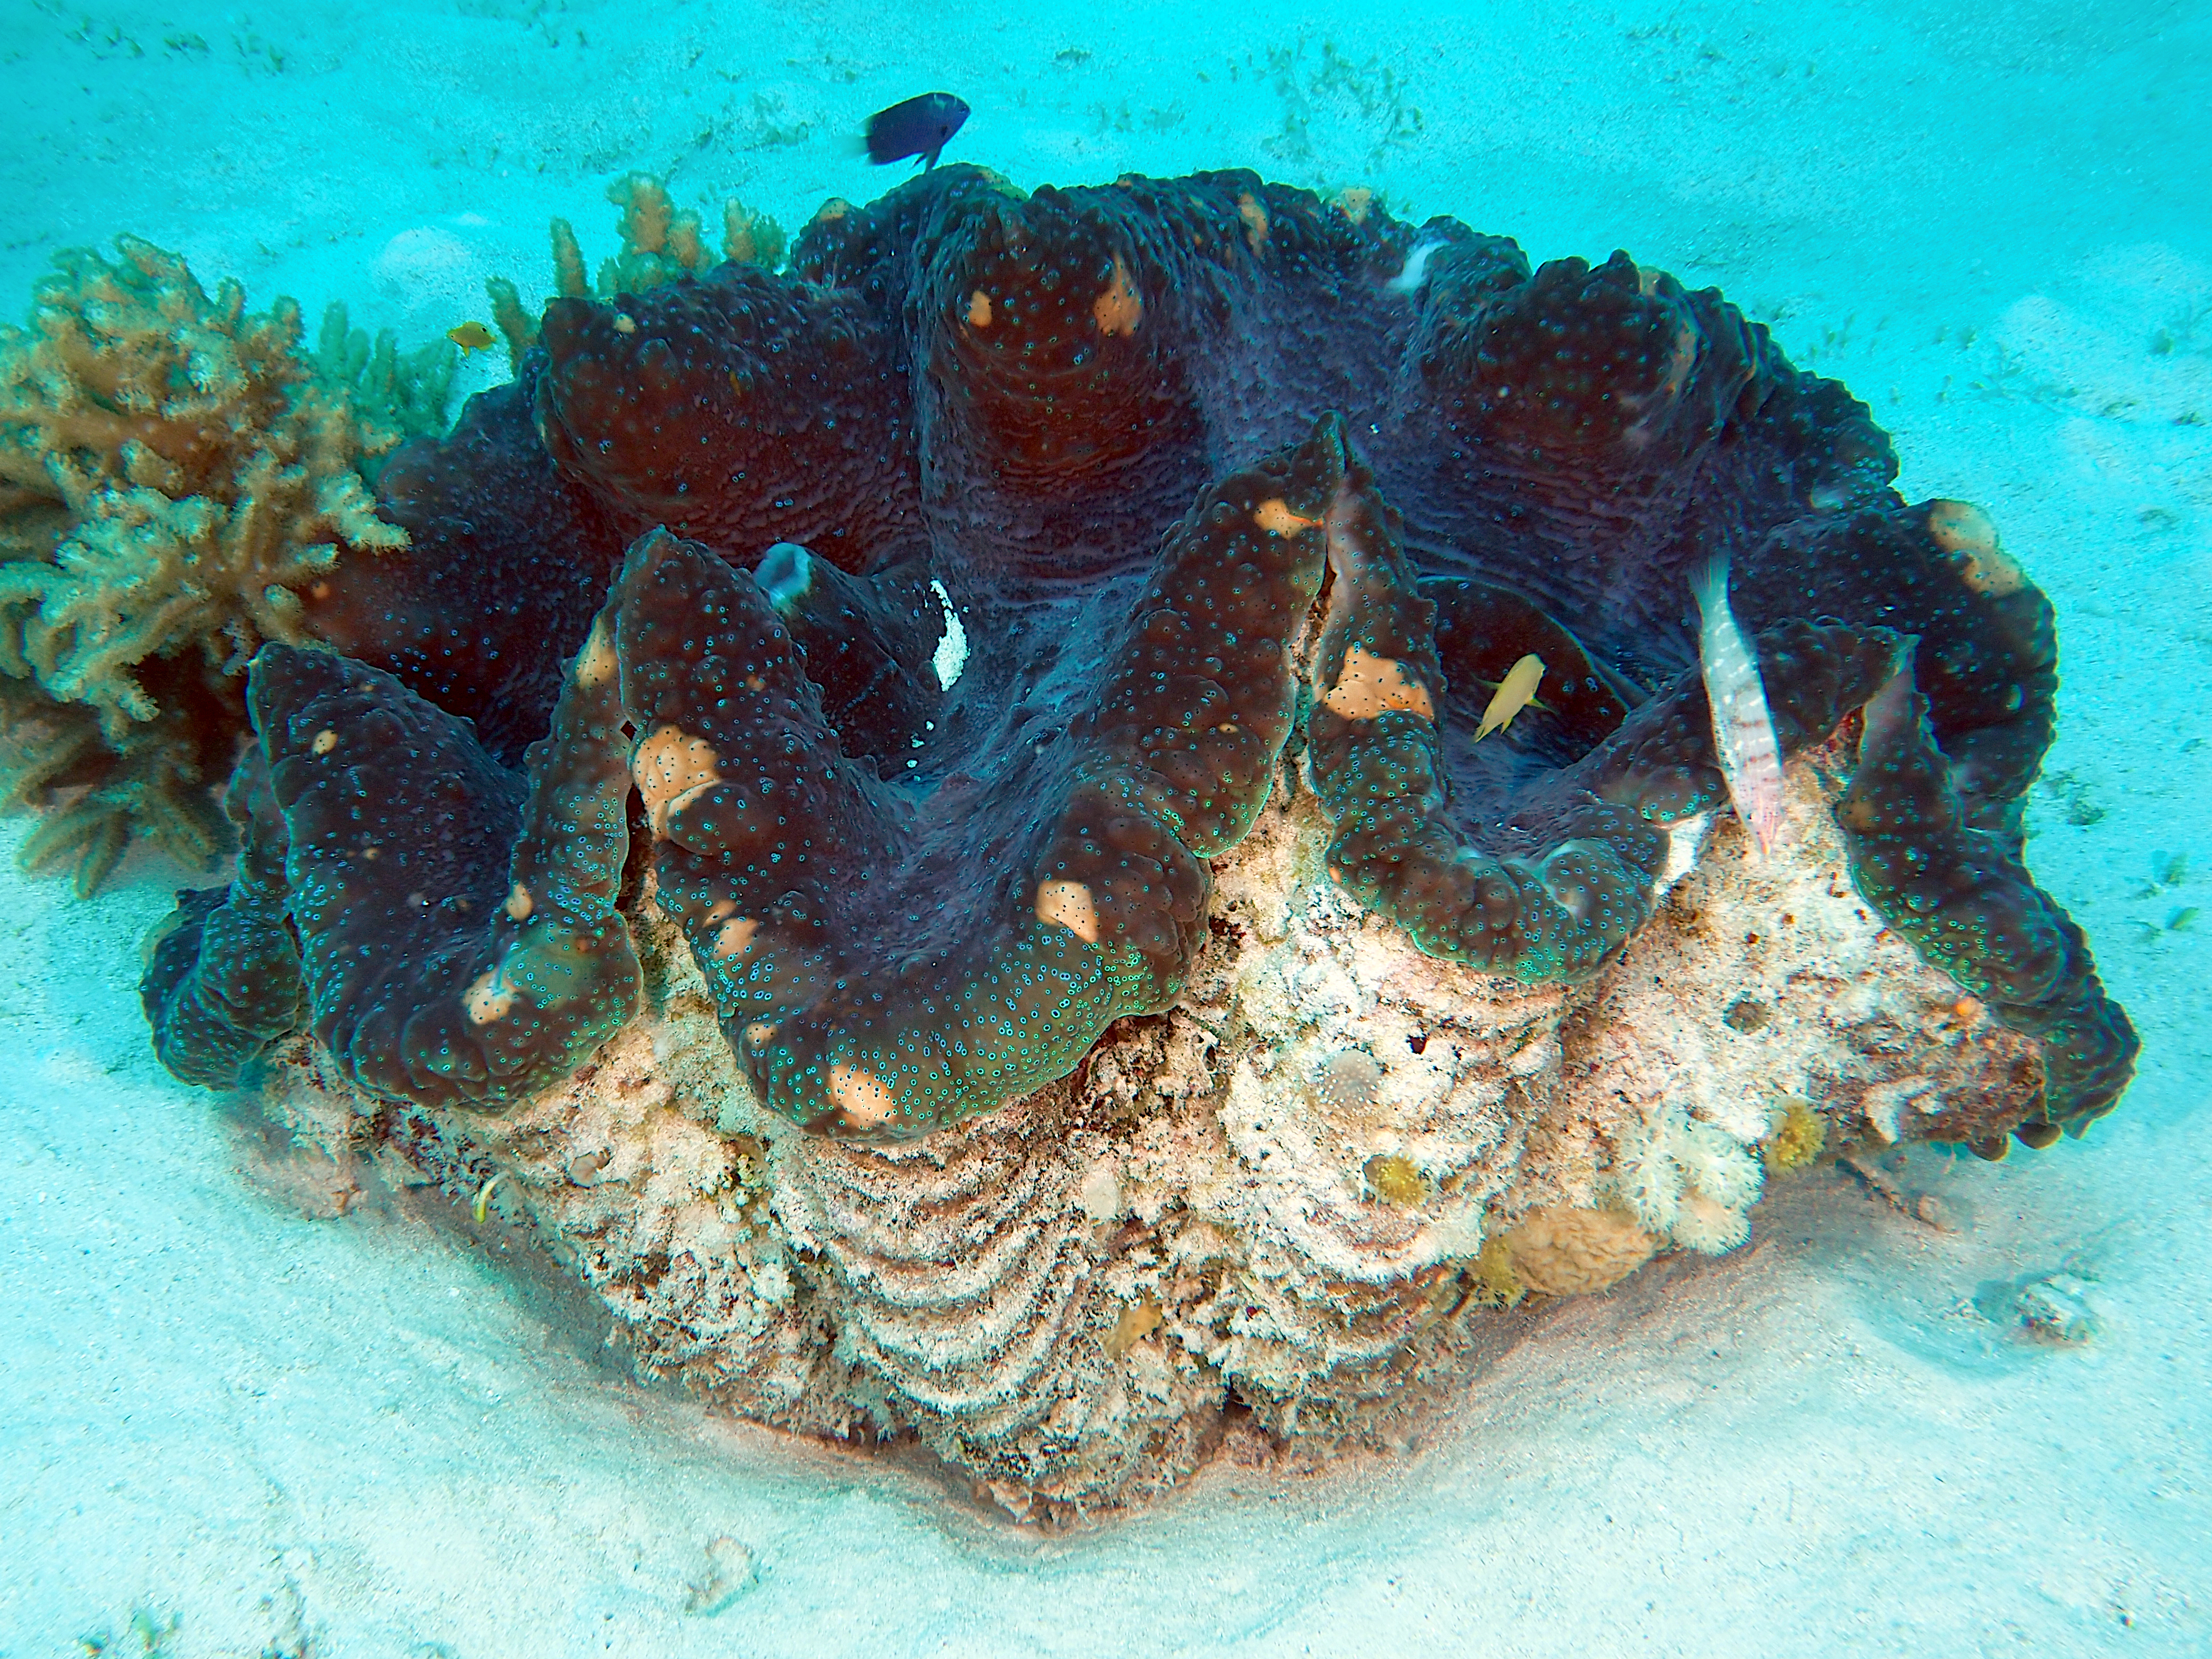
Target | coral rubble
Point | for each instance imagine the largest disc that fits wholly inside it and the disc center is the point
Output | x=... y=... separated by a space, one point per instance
x=975 y=740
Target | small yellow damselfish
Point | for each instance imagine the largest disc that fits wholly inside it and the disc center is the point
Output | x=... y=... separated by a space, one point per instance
x=1515 y=693
x=472 y=336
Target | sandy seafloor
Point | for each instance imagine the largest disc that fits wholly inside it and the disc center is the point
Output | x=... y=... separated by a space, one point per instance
x=382 y=1436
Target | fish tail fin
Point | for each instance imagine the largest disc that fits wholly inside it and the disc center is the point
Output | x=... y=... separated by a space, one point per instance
x=1766 y=816
x=1709 y=583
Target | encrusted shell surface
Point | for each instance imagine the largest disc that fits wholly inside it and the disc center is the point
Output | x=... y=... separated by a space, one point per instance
x=1069 y=1299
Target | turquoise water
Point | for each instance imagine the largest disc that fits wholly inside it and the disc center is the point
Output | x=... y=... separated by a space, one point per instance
x=233 y=1411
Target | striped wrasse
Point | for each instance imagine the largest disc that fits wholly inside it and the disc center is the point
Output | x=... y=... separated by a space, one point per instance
x=1743 y=731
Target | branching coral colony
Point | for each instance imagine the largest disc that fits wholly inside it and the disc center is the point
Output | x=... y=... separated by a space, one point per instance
x=175 y=473
x=1325 y=1028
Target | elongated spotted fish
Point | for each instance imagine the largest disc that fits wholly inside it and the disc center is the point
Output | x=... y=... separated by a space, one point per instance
x=1743 y=731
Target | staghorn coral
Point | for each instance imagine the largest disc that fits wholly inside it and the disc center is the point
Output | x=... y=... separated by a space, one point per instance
x=660 y=244
x=175 y=473
x=388 y=390
x=1011 y=684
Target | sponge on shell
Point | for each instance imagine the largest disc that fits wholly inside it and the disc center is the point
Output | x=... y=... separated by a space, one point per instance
x=1564 y=1251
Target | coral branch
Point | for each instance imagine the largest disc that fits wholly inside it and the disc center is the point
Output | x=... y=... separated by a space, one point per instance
x=181 y=473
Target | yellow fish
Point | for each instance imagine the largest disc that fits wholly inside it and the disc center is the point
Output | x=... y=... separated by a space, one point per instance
x=1515 y=693
x=472 y=336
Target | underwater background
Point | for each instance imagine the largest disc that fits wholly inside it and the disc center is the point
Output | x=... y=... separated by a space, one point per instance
x=239 y=1421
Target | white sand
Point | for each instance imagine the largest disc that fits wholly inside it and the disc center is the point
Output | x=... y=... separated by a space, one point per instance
x=379 y=1435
